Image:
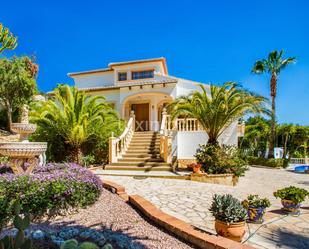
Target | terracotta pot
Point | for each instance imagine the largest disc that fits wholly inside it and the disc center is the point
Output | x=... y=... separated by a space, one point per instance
x=290 y=206
x=234 y=231
x=197 y=169
x=256 y=214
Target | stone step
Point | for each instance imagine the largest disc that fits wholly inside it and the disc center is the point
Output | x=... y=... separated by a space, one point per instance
x=141 y=147
x=141 y=164
x=142 y=151
x=143 y=168
x=140 y=160
x=143 y=156
x=145 y=141
x=144 y=144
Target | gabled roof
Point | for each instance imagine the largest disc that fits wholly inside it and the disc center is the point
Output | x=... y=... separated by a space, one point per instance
x=113 y=64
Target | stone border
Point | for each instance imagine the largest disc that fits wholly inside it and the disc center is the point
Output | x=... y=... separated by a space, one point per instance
x=173 y=224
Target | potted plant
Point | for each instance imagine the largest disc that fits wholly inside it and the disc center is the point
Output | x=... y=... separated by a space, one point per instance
x=291 y=198
x=230 y=216
x=256 y=207
x=196 y=167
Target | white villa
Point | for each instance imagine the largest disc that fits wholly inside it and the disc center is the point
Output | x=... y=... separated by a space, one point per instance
x=139 y=90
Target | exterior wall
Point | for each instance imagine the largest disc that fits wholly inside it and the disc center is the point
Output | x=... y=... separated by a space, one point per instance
x=187 y=142
x=94 y=80
x=156 y=66
x=111 y=96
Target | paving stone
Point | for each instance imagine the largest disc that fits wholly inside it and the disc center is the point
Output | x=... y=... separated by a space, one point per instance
x=190 y=201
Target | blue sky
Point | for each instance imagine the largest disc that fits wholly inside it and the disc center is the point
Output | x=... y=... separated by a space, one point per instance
x=206 y=41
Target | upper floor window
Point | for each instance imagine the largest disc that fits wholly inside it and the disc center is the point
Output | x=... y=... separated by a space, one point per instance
x=122 y=76
x=142 y=75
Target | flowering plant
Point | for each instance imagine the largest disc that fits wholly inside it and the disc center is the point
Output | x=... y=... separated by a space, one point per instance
x=51 y=190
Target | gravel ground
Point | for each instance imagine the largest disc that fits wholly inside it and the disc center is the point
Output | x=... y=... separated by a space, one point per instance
x=113 y=214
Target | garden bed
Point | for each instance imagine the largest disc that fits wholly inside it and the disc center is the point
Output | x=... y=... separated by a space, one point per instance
x=119 y=223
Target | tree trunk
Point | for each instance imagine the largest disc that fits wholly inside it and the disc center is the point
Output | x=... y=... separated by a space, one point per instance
x=9 y=116
x=273 y=92
x=285 y=146
x=76 y=155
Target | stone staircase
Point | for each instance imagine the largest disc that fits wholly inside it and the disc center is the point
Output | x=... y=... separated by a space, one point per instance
x=143 y=153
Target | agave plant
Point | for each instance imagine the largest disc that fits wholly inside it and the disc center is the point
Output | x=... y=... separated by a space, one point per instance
x=219 y=108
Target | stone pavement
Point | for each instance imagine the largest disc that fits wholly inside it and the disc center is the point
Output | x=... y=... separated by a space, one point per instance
x=190 y=201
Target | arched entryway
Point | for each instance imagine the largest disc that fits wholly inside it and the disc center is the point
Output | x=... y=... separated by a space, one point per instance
x=147 y=108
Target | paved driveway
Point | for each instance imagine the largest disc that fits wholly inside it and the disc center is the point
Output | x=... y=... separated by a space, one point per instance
x=190 y=201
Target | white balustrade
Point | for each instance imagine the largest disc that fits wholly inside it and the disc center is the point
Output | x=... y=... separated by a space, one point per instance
x=118 y=146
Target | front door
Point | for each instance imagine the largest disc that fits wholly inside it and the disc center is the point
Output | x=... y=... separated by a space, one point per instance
x=141 y=116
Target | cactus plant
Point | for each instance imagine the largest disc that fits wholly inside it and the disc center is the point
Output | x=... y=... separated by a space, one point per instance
x=108 y=246
x=73 y=244
x=21 y=224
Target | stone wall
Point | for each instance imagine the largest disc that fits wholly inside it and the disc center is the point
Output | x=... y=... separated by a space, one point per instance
x=223 y=179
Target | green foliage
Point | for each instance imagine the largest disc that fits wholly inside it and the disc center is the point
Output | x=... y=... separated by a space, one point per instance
x=255 y=201
x=217 y=110
x=17 y=83
x=292 y=193
x=73 y=244
x=255 y=140
x=88 y=160
x=272 y=65
x=7 y=39
x=220 y=160
x=272 y=162
x=53 y=191
x=21 y=223
x=74 y=123
x=227 y=208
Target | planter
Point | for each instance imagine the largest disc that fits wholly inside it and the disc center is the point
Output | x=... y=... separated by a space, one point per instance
x=256 y=214
x=290 y=207
x=234 y=231
x=197 y=169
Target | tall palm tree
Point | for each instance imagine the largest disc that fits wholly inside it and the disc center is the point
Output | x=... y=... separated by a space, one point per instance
x=218 y=109
x=74 y=116
x=256 y=135
x=272 y=65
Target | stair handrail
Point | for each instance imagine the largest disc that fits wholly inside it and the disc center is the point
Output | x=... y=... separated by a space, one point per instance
x=118 y=145
x=165 y=137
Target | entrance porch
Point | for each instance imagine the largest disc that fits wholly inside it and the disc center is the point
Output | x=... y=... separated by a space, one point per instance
x=147 y=108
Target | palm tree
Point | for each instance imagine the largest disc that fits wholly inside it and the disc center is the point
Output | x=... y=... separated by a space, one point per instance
x=218 y=109
x=74 y=116
x=272 y=65
x=256 y=135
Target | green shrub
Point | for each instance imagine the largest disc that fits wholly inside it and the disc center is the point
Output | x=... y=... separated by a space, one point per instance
x=255 y=201
x=220 y=160
x=297 y=195
x=228 y=209
x=52 y=190
x=272 y=162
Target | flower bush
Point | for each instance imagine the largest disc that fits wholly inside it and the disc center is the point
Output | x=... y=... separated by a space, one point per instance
x=51 y=190
x=220 y=160
x=297 y=195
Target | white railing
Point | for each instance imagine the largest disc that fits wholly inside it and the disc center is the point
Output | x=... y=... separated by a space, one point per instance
x=187 y=124
x=165 y=137
x=118 y=145
x=299 y=161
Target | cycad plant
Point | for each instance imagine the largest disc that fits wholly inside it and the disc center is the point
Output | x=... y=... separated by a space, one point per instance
x=218 y=108
x=74 y=117
x=273 y=65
